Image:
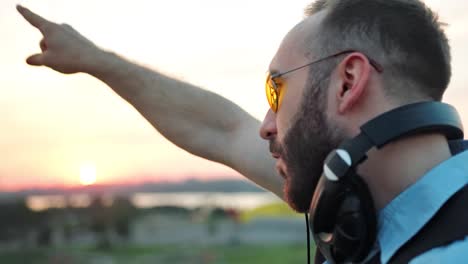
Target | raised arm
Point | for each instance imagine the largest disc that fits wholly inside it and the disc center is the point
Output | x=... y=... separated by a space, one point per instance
x=201 y=122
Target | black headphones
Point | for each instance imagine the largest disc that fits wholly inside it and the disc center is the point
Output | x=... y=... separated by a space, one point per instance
x=342 y=214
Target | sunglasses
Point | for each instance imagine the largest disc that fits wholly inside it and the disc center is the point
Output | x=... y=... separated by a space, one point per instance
x=274 y=86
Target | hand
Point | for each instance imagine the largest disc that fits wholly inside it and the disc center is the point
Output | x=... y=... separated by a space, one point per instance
x=63 y=48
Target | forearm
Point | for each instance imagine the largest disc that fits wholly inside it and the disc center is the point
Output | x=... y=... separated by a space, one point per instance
x=196 y=120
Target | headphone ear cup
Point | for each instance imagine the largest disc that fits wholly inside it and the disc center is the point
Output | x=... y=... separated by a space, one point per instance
x=356 y=221
x=343 y=218
x=328 y=196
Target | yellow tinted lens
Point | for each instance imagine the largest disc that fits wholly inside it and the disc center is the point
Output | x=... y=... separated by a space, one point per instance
x=271 y=93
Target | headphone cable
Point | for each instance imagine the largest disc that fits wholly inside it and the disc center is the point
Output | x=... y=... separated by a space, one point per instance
x=308 y=238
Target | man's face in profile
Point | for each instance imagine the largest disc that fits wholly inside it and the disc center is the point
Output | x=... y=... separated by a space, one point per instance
x=305 y=146
x=299 y=133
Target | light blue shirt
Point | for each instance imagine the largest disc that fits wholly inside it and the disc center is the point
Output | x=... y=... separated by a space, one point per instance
x=405 y=215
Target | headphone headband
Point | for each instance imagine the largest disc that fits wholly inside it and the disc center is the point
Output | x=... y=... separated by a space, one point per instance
x=412 y=119
x=416 y=118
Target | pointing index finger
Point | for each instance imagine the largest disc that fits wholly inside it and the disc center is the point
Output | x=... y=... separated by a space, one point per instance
x=33 y=18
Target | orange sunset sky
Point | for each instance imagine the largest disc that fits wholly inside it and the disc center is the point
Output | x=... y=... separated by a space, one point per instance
x=53 y=126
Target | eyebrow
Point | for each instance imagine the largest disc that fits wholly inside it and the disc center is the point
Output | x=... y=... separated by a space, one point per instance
x=278 y=73
x=273 y=71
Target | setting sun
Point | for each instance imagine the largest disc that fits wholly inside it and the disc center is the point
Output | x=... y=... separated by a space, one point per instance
x=87 y=174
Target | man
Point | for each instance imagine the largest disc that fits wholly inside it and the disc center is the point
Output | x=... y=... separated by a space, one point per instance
x=344 y=64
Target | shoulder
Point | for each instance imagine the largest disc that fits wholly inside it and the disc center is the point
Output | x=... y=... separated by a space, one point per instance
x=455 y=252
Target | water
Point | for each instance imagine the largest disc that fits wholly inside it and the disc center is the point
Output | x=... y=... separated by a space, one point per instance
x=241 y=200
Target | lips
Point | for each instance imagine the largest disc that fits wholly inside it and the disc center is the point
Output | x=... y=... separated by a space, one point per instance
x=280 y=168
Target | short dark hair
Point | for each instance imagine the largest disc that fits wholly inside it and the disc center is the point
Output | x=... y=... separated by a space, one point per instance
x=405 y=36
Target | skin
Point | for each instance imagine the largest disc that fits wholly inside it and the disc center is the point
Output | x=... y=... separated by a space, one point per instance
x=355 y=94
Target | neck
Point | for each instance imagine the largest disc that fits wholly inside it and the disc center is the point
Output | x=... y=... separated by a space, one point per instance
x=390 y=170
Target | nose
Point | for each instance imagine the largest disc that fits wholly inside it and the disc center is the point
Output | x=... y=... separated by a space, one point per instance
x=268 y=129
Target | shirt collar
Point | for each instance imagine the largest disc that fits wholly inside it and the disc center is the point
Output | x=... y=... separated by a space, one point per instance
x=406 y=214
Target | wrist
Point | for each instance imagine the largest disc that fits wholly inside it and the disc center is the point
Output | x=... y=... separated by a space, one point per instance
x=100 y=63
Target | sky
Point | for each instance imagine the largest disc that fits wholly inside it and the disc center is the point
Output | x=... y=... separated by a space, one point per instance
x=54 y=126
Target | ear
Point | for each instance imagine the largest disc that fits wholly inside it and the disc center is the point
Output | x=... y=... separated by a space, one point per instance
x=354 y=73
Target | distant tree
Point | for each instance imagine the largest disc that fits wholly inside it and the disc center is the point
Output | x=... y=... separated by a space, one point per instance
x=100 y=222
x=116 y=217
x=17 y=220
x=44 y=237
x=123 y=213
x=215 y=216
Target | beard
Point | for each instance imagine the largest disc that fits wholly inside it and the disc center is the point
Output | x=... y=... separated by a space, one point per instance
x=304 y=149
